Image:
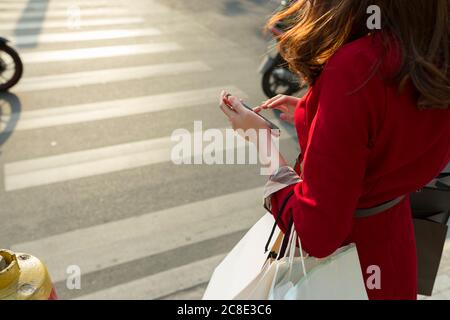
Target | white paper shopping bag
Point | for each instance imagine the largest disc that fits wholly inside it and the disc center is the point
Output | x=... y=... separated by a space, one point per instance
x=301 y=277
x=337 y=277
x=290 y=268
x=243 y=264
x=259 y=288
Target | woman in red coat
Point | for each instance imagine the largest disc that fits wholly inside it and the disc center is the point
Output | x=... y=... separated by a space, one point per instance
x=374 y=126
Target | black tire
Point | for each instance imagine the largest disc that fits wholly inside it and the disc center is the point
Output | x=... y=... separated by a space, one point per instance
x=268 y=85
x=18 y=67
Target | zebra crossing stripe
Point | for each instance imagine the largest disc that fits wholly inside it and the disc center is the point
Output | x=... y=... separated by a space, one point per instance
x=81 y=164
x=65 y=167
x=43 y=5
x=161 y=284
x=83 y=23
x=117 y=108
x=35 y=14
x=95 y=248
x=100 y=52
x=24 y=40
x=87 y=163
x=109 y=75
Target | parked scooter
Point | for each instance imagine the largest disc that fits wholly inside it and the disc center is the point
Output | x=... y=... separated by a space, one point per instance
x=11 y=67
x=276 y=76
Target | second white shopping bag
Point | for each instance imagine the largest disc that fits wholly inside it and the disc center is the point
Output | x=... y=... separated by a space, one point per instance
x=302 y=277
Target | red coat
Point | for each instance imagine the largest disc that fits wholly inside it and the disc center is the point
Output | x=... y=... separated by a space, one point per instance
x=364 y=144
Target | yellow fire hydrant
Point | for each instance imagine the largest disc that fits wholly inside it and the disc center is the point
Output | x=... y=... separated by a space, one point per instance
x=24 y=277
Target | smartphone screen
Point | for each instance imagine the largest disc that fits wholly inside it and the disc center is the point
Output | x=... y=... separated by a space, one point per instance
x=270 y=123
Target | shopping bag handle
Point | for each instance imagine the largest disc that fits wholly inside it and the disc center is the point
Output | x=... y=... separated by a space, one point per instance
x=273 y=254
x=286 y=239
x=293 y=247
x=283 y=205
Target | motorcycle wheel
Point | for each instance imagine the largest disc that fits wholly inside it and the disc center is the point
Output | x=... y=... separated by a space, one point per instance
x=11 y=67
x=272 y=86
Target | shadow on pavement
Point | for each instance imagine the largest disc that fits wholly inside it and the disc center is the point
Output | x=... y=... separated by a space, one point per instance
x=234 y=7
x=28 y=16
x=10 y=109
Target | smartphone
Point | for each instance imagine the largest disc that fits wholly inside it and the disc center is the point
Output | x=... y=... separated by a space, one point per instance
x=269 y=123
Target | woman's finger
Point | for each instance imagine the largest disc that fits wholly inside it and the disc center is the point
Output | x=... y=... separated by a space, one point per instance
x=279 y=101
x=281 y=107
x=264 y=104
x=278 y=106
x=222 y=95
x=284 y=100
x=228 y=112
x=236 y=104
x=267 y=102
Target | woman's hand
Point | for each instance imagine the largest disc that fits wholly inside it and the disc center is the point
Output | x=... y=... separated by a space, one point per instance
x=286 y=104
x=241 y=118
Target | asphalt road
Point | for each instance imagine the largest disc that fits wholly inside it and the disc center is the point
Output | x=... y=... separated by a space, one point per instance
x=85 y=155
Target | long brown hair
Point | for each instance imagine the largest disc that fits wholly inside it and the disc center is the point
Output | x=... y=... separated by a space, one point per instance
x=422 y=28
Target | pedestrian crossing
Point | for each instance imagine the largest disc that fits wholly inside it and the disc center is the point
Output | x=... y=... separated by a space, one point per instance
x=111 y=241
x=8 y=27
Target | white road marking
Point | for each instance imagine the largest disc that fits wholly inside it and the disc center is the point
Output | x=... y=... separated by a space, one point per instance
x=96 y=248
x=81 y=164
x=107 y=76
x=87 y=163
x=100 y=52
x=26 y=25
x=160 y=284
x=117 y=108
x=36 y=14
x=43 y=5
x=24 y=40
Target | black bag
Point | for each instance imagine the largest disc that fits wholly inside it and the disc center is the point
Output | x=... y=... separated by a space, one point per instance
x=431 y=211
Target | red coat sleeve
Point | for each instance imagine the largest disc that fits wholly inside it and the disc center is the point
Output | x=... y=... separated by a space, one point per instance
x=340 y=136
